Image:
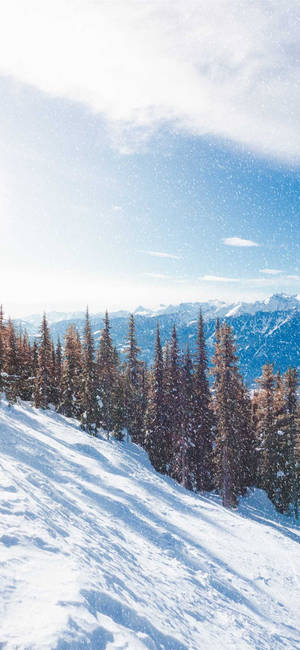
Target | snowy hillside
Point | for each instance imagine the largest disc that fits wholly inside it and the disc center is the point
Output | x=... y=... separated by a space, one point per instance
x=99 y=551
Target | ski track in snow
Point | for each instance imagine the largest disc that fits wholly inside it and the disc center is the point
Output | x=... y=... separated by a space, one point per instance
x=99 y=551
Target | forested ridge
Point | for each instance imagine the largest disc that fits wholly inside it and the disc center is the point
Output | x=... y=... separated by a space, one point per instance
x=206 y=435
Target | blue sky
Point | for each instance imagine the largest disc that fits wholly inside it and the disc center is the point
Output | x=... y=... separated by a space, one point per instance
x=129 y=178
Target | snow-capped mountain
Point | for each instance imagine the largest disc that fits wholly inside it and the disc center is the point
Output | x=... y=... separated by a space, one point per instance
x=221 y=309
x=265 y=331
x=99 y=551
x=277 y=302
x=59 y=316
x=186 y=310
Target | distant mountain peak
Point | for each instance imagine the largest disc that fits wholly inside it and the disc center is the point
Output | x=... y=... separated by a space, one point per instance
x=184 y=311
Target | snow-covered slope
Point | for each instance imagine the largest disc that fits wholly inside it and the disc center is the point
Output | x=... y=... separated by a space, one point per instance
x=99 y=551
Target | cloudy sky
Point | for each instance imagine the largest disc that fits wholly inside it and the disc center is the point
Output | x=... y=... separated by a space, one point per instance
x=150 y=152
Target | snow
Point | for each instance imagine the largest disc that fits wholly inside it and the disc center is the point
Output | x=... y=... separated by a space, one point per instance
x=99 y=551
x=184 y=312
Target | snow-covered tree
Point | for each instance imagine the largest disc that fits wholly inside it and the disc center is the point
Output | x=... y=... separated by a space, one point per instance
x=227 y=451
x=11 y=364
x=70 y=383
x=155 y=432
x=44 y=377
x=203 y=417
x=175 y=416
x=89 y=405
x=110 y=391
x=133 y=397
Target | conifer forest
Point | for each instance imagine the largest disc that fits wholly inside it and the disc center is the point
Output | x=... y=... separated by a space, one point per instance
x=195 y=417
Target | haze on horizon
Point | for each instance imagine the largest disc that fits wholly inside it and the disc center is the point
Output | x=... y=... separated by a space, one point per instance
x=151 y=156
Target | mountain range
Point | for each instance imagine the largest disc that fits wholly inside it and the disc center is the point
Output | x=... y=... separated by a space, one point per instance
x=265 y=330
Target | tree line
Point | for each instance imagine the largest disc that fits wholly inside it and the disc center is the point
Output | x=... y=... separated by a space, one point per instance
x=207 y=435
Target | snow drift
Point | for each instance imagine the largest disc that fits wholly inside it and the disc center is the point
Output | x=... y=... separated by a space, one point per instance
x=99 y=551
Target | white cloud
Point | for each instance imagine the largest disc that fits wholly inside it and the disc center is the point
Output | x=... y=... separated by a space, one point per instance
x=217 y=278
x=226 y=68
x=271 y=281
x=238 y=241
x=270 y=271
x=170 y=256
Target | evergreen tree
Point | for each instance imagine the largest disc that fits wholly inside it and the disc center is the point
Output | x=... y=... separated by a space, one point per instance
x=276 y=424
x=281 y=469
x=11 y=364
x=89 y=405
x=226 y=406
x=34 y=359
x=272 y=426
x=26 y=379
x=296 y=485
x=71 y=375
x=57 y=371
x=133 y=388
x=144 y=387
x=53 y=396
x=167 y=403
x=118 y=414
x=175 y=420
x=266 y=432
x=155 y=434
x=187 y=478
x=44 y=374
x=105 y=372
x=247 y=440
x=2 y=351
x=290 y=394
x=132 y=353
x=203 y=418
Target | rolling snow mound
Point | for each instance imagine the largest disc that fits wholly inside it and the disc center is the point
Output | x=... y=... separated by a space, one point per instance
x=99 y=551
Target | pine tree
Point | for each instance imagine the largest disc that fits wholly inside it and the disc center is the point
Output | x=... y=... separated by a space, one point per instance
x=247 y=440
x=281 y=453
x=26 y=380
x=57 y=371
x=144 y=388
x=296 y=486
x=132 y=387
x=275 y=414
x=227 y=441
x=203 y=418
x=290 y=383
x=266 y=432
x=132 y=353
x=187 y=478
x=53 y=396
x=34 y=359
x=175 y=421
x=105 y=372
x=167 y=403
x=71 y=375
x=155 y=435
x=89 y=405
x=44 y=377
x=2 y=351
x=118 y=400
x=11 y=364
